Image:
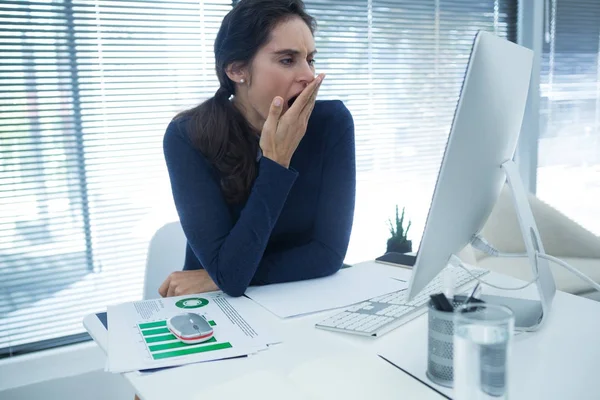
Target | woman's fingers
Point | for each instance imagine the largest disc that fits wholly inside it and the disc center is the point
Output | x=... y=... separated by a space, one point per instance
x=164 y=288
x=171 y=291
x=305 y=97
x=280 y=135
x=307 y=110
x=270 y=126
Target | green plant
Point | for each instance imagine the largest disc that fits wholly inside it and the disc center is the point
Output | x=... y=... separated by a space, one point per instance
x=399 y=234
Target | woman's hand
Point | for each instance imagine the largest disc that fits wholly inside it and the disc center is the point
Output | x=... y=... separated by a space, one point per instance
x=180 y=283
x=281 y=134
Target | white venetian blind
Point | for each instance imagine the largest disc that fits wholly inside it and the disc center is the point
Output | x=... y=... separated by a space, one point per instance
x=568 y=175
x=398 y=65
x=87 y=88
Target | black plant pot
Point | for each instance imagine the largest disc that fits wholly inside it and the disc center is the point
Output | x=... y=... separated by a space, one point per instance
x=396 y=246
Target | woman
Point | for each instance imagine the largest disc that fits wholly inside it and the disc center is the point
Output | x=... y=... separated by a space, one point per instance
x=262 y=174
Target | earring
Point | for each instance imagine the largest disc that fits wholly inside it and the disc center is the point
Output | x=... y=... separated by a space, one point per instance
x=242 y=80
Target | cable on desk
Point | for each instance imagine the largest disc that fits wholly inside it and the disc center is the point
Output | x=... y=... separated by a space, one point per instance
x=483 y=245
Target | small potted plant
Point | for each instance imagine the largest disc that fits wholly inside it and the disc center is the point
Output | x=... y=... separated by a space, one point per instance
x=398 y=242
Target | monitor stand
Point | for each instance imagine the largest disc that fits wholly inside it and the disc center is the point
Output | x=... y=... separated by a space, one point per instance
x=529 y=314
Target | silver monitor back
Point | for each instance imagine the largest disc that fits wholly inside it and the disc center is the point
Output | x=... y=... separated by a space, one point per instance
x=484 y=135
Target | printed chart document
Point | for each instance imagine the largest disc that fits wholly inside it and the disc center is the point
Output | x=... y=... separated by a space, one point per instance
x=138 y=337
x=346 y=287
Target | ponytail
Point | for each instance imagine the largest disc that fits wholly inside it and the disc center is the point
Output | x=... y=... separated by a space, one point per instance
x=221 y=133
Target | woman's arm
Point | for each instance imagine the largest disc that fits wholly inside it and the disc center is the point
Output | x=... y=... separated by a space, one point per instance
x=325 y=252
x=230 y=252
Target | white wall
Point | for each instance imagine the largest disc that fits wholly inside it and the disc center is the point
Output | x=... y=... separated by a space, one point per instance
x=69 y=372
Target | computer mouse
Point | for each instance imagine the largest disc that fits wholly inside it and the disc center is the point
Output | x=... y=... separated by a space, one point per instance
x=190 y=328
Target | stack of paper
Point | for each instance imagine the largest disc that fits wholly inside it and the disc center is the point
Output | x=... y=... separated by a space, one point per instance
x=138 y=337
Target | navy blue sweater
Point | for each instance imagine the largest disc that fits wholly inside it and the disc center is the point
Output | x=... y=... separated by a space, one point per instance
x=295 y=223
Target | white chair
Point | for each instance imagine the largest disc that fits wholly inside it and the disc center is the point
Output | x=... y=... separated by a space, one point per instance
x=166 y=254
x=561 y=236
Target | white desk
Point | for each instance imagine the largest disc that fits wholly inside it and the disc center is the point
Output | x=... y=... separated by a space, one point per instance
x=561 y=361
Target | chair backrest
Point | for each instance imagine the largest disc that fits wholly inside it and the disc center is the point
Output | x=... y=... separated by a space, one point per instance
x=561 y=236
x=166 y=254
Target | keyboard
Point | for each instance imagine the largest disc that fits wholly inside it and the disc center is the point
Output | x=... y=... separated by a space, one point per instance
x=382 y=314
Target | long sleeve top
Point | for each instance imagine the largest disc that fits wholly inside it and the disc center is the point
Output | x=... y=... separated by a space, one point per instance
x=296 y=221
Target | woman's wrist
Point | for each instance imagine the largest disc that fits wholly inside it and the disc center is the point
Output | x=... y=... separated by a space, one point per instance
x=279 y=160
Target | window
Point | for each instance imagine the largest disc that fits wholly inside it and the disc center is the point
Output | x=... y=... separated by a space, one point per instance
x=398 y=65
x=89 y=86
x=568 y=174
x=88 y=89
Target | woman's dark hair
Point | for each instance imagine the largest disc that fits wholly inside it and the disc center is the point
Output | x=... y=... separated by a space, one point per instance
x=217 y=128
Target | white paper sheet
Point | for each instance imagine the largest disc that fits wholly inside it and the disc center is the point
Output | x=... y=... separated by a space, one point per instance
x=399 y=273
x=262 y=384
x=348 y=286
x=343 y=372
x=139 y=339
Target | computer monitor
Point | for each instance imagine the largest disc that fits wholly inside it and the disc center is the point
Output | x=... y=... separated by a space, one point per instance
x=482 y=142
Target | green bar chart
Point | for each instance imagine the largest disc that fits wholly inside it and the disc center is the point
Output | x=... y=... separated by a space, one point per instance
x=161 y=343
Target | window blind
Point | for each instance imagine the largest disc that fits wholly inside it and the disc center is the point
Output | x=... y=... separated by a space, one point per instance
x=568 y=175
x=87 y=90
x=398 y=65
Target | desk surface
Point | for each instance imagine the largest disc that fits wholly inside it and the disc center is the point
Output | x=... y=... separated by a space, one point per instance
x=312 y=363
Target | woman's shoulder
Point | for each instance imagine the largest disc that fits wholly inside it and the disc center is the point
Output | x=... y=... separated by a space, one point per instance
x=330 y=121
x=178 y=145
x=332 y=111
x=178 y=128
